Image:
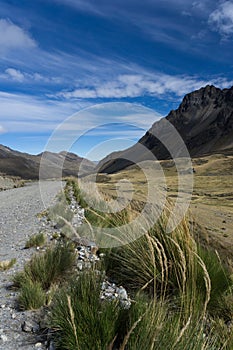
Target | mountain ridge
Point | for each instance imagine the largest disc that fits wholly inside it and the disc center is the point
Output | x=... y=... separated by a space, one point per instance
x=204 y=120
x=27 y=166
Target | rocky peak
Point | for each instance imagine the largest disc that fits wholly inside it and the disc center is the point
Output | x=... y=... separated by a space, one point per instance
x=199 y=98
x=204 y=120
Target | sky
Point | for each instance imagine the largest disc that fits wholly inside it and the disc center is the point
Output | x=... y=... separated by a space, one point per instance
x=63 y=60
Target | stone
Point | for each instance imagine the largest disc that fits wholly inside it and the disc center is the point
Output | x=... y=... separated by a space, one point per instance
x=3 y=337
x=122 y=293
x=80 y=266
x=30 y=327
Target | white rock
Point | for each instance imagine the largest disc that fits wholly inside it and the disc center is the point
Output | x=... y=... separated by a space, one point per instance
x=79 y=266
x=3 y=337
x=122 y=293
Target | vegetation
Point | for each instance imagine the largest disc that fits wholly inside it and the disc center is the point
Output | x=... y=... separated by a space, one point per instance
x=82 y=320
x=32 y=295
x=41 y=272
x=181 y=292
x=7 y=264
x=37 y=240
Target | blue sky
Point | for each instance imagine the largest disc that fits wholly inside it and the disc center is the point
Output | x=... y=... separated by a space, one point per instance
x=59 y=57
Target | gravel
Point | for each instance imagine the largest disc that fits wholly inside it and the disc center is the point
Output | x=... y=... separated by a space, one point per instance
x=18 y=221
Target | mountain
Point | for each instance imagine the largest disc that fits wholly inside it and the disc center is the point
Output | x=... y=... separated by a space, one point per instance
x=204 y=120
x=27 y=166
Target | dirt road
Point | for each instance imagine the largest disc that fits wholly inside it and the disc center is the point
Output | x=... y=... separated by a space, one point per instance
x=18 y=221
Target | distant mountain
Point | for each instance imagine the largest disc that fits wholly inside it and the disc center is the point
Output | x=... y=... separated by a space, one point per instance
x=27 y=166
x=204 y=120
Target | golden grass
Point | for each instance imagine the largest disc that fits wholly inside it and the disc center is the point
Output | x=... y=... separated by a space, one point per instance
x=7 y=264
x=212 y=197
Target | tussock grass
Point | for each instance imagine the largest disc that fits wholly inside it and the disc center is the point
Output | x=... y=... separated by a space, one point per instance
x=181 y=293
x=154 y=326
x=81 y=319
x=7 y=264
x=32 y=296
x=37 y=240
x=42 y=271
x=60 y=213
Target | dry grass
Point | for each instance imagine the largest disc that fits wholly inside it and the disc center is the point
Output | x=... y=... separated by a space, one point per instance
x=182 y=285
x=212 y=198
x=7 y=264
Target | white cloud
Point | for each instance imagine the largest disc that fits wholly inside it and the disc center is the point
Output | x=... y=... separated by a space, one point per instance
x=136 y=85
x=14 y=37
x=15 y=74
x=221 y=19
x=23 y=77
x=25 y=113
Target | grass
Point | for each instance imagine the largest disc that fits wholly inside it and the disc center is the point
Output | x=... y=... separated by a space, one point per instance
x=60 y=213
x=41 y=272
x=181 y=292
x=32 y=295
x=7 y=264
x=37 y=240
x=153 y=326
x=81 y=319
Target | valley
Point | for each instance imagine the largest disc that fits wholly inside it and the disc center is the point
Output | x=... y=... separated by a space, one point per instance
x=211 y=201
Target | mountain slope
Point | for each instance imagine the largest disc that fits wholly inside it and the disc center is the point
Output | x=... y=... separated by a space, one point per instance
x=27 y=166
x=204 y=120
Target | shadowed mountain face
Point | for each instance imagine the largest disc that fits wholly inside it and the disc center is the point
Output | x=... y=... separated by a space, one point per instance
x=27 y=166
x=204 y=120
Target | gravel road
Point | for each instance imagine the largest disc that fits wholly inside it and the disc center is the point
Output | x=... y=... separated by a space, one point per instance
x=18 y=221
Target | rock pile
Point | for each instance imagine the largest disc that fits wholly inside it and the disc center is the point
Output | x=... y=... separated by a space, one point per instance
x=109 y=291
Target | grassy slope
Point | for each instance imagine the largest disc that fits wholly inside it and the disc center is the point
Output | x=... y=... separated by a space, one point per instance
x=8 y=182
x=212 y=199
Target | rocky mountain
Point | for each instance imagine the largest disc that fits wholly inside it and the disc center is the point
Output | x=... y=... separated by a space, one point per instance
x=204 y=120
x=27 y=166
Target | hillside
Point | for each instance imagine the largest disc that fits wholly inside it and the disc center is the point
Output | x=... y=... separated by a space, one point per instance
x=27 y=166
x=204 y=120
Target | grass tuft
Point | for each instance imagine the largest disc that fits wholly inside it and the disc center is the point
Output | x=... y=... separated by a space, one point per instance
x=32 y=296
x=44 y=270
x=37 y=240
x=7 y=264
x=81 y=319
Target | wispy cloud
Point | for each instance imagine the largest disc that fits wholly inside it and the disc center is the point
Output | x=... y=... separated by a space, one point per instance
x=15 y=74
x=136 y=85
x=154 y=19
x=109 y=120
x=25 y=113
x=221 y=19
x=14 y=37
x=23 y=77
